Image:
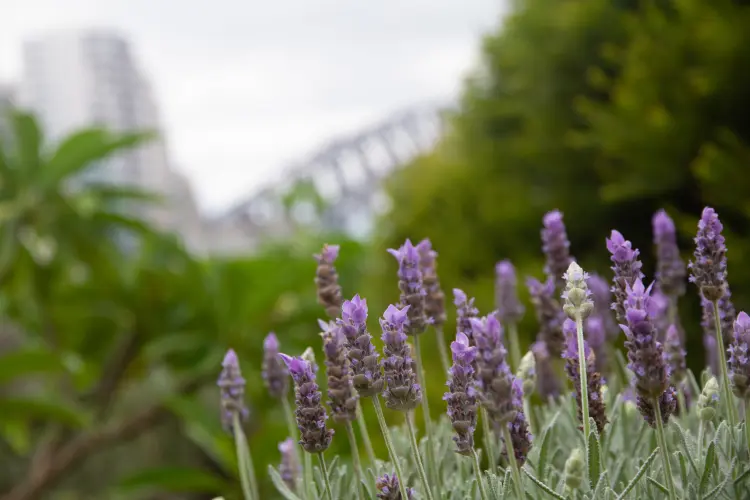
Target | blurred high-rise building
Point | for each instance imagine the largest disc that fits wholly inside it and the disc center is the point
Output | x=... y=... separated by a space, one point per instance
x=90 y=78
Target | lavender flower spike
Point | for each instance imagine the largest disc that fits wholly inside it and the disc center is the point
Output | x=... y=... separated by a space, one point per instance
x=709 y=269
x=739 y=358
x=465 y=310
x=596 y=338
x=547 y=383
x=311 y=416
x=674 y=354
x=434 y=301
x=289 y=468
x=556 y=247
x=597 y=411
x=602 y=297
x=509 y=308
x=327 y=280
x=412 y=287
x=462 y=397
x=402 y=389
x=627 y=269
x=275 y=374
x=232 y=386
x=367 y=375
x=388 y=488
x=520 y=437
x=494 y=379
x=341 y=394
x=670 y=268
x=646 y=355
x=549 y=314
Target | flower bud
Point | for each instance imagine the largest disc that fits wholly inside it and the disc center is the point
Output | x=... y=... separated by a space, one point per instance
x=577 y=297
x=527 y=373
x=708 y=401
x=575 y=468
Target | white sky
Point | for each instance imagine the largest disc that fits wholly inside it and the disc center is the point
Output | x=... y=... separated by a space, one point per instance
x=246 y=86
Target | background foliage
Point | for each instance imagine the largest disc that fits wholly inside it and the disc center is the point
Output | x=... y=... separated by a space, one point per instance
x=605 y=110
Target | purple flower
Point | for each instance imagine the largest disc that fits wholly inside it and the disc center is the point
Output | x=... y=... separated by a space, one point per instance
x=232 y=390
x=596 y=338
x=547 y=383
x=462 y=397
x=411 y=286
x=712 y=354
x=670 y=268
x=388 y=488
x=659 y=313
x=275 y=375
x=289 y=469
x=674 y=355
x=602 y=296
x=597 y=411
x=520 y=438
x=497 y=391
x=311 y=416
x=465 y=310
x=556 y=247
x=402 y=389
x=709 y=269
x=327 y=280
x=667 y=405
x=645 y=353
x=627 y=269
x=367 y=375
x=434 y=301
x=549 y=314
x=509 y=309
x=341 y=394
x=739 y=360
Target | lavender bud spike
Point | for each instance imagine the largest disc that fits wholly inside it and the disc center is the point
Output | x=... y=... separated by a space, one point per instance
x=509 y=308
x=327 y=280
x=275 y=375
x=434 y=301
x=462 y=397
x=388 y=488
x=670 y=268
x=411 y=286
x=402 y=391
x=739 y=358
x=232 y=390
x=341 y=394
x=556 y=247
x=627 y=269
x=709 y=268
x=367 y=375
x=549 y=314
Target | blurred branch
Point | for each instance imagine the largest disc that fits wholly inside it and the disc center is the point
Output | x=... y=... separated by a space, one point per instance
x=124 y=354
x=47 y=473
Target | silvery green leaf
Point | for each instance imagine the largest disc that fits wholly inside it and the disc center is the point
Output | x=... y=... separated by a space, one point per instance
x=542 y=486
x=281 y=487
x=507 y=490
x=720 y=487
x=594 y=459
x=684 y=439
x=707 y=468
x=641 y=472
x=683 y=468
x=658 y=485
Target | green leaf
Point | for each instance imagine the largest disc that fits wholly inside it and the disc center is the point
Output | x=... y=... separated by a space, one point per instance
x=544 y=449
x=742 y=476
x=280 y=485
x=17 y=434
x=28 y=138
x=720 y=487
x=174 y=479
x=594 y=459
x=29 y=361
x=683 y=468
x=541 y=485
x=686 y=446
x=658 y=485
x=82 y=150
x=638 y=475
x=42 y=409
x=708 y=467
x=507 y=489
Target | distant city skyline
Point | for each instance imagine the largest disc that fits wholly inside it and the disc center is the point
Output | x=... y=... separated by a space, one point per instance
x=245 y=89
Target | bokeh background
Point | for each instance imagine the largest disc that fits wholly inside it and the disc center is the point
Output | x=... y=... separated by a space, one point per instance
x=116 y=312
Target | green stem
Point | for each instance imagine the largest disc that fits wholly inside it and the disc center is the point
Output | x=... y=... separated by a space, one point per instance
x=728 y=396
x=515 y=347
x=444 y=359
x=365 y=436
x=244 y=461
x=389 y=444
x=489 y=441
x=681 y=401
x=512 y=463
x=355 y=458
x=664 y=451
x=426 y=414
x=478 y=472
x=310 y=490
x=529 y=416
x=324 y=470
x=417 y=457
x=584 y=384
x=747 y=424
x=291 y=425
x=700 y=438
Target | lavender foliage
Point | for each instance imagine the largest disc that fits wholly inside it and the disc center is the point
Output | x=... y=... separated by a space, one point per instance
x=509 y=308
x=402 y=391
x=708 y=269
x=412 y=287
x=364 y=362
x=462 y=396
x=310 y=414
x=275 y=374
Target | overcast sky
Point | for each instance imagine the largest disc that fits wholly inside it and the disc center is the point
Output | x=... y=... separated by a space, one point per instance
x=245 y=86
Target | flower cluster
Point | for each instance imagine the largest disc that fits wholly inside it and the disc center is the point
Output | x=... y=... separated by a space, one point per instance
x=232 y=386
x=465 y=311
x=341 y=394
x=549 y=314
x=739 y=358
x=556 y=247
x=670 y=268
x=434 y=301
x=462 y=397
x=708 y=270
x=402 y=389
x=509 y=308
x=412 y=287
x=627 y=269
x=275 y=374
x=364 y=361
x=327 y=280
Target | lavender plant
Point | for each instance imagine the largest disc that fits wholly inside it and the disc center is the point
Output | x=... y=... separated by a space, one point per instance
x=598 y=444
x=509 y=309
